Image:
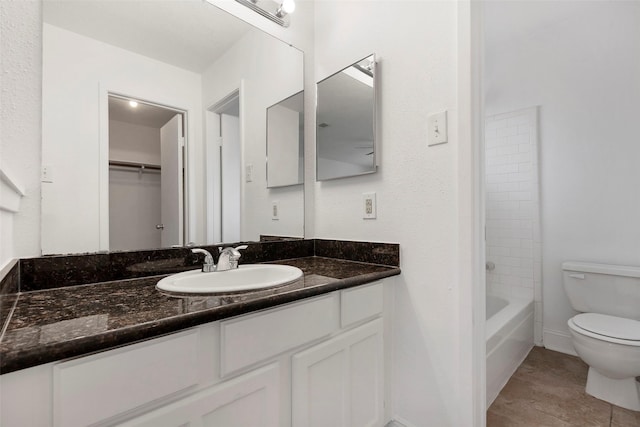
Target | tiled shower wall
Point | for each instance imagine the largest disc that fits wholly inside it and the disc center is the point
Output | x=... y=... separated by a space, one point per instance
x=513 y=209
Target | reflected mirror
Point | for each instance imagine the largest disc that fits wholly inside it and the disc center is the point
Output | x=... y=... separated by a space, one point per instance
x=285 y=142
x=345 y=119
x=214 y=74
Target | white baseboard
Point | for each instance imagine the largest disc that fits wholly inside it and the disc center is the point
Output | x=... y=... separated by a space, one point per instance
x=558 y=341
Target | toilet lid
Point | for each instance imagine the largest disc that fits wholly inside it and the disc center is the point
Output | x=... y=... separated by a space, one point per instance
x=609 y=326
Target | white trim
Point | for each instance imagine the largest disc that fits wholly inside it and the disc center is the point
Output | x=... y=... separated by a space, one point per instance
x=558 y=341
x=471 y=242
x=12 y=193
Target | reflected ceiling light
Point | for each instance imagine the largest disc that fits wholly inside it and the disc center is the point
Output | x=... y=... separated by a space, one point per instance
x=275 y=11
x=287 y=6
x=133 y=104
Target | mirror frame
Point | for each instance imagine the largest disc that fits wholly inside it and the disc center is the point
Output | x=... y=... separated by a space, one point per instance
x=375 y=114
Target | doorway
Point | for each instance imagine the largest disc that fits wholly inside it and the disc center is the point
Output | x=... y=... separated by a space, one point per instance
x=146 y=174
x=224 y=183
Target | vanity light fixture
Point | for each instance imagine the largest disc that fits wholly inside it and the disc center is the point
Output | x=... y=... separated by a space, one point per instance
x=287 y=6
x=276 y=12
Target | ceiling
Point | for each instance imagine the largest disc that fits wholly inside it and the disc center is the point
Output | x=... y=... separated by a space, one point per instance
x=508 y=21
x=143 y=115
x=190 y=34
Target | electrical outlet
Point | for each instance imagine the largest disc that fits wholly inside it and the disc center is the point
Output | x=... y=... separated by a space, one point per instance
x=437 y=129
x=248 y=171
x=369 y=205
x=275 y=211
x=47 y=174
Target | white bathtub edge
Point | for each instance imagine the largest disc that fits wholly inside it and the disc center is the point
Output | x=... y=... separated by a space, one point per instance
x=502 y=321
x=514 y=348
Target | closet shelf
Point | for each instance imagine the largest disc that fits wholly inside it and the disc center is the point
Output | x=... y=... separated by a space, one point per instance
x=139 y=166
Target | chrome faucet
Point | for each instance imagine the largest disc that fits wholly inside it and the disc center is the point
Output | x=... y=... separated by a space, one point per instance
x=229 y=257
x=208 y=265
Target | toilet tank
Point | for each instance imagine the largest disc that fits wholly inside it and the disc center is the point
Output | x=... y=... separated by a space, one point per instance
x=602 y=288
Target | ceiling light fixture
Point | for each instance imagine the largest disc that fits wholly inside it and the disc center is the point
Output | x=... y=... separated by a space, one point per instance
x=133 y=104
x=276 y=12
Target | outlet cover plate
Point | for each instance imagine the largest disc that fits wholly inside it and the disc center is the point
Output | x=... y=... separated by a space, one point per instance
x=369 y=205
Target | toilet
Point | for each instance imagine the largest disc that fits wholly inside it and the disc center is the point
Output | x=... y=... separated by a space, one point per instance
x=606 y=333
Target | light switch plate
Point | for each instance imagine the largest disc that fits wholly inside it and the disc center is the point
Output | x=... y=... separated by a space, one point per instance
x=248 y=170
x=369 y=205
x=437 y=129
x=275 y=210
x=47 y=174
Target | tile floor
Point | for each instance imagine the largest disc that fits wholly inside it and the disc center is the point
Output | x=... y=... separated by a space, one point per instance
x=548 y=390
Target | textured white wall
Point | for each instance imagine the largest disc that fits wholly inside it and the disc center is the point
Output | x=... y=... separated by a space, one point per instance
x=76 y=70
x=582 y=69
x=416 y=188
x=20 y=121
x=134 y=143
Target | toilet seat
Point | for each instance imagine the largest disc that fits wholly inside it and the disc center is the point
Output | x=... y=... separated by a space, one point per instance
x=613 y=329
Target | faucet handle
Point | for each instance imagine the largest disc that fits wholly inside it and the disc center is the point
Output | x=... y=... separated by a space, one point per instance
x=208 y=264
x=233 y=251
x=236 y=255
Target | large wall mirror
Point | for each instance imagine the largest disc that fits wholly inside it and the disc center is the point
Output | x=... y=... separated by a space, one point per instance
x=345 y=119
x=154 y=126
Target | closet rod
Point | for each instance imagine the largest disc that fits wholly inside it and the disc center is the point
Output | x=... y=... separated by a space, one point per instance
x=141 y=166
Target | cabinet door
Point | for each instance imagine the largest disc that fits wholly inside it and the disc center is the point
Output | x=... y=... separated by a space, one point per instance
x=340 y=381
x=249 y=400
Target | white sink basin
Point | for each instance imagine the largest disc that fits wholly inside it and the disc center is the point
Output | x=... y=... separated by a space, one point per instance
x=247 y=277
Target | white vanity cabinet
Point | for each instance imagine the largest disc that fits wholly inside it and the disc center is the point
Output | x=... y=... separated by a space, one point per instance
x=339 y=382
x=314 y=362
x=249 y=400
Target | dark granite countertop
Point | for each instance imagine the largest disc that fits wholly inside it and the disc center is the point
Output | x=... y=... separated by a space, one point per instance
x=55 y=324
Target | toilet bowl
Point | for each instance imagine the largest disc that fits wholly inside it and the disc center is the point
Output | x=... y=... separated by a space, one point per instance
x=611 y=347
x=606 y=335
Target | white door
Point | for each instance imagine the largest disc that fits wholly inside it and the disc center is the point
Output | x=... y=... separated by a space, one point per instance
x=231 y=175
x=247 y=401
x=171 y=182
x=340 y=381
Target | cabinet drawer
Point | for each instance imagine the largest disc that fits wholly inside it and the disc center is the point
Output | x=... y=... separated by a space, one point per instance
x=248 y=340
x=94 y=388
x=361 y=303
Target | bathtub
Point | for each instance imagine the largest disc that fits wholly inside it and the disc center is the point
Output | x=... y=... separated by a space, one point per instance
x=509 y=331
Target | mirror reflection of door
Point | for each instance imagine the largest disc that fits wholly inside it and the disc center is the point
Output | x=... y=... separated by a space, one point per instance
x=225 y=179
x=145 y=175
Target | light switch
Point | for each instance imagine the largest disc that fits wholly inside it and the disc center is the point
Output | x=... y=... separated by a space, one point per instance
x=275 y=211
x=437 y=129
x=248 y=170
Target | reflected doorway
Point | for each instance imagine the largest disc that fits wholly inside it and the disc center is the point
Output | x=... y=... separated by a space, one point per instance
x=146 y=174
x=224 y=161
